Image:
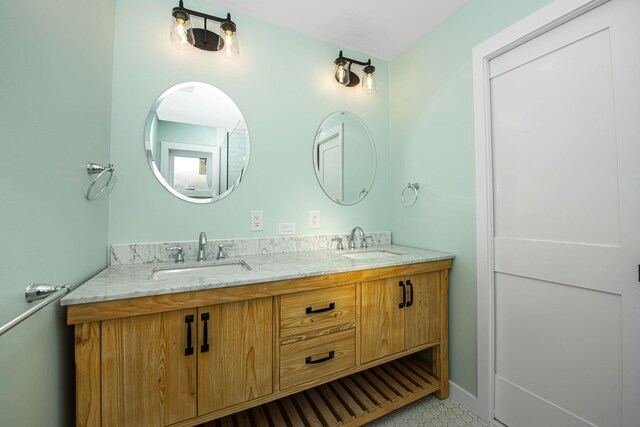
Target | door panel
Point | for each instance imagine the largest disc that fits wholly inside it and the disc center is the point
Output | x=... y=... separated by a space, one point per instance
x=565 y=151
x=552 y=160
x=237 y=366
x=422 y=318
x=145 y=371
x=382 y=321
x=570 y=341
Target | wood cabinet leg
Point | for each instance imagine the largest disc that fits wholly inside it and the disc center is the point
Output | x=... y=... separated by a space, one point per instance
x=87 y=360
x=441 y=351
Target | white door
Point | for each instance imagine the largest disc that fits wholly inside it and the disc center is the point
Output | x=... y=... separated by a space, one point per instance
x=565 y=109
x=330 y=163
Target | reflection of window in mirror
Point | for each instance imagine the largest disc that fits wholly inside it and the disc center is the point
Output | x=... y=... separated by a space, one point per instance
x=189 y=173
x=193 y=170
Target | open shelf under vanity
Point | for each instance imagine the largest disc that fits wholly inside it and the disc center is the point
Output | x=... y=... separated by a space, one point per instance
x=349 y=401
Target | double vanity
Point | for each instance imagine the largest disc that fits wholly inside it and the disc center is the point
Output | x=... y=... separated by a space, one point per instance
x=321 y=337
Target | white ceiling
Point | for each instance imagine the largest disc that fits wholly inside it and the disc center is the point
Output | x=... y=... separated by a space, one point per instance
x=378 y=28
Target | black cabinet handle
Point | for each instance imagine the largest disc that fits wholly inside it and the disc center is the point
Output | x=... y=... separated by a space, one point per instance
x=410 y=303
x=205 y=334
x=308 y=360
x=404 y=295
x=189 y=350
x=321 y=310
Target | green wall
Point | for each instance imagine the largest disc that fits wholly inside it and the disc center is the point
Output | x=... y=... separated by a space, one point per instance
x=73 y=91
x=431 y=134
x=283 y=84
x=54 y=116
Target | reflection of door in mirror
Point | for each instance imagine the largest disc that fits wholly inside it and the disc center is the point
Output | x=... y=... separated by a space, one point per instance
x=329 y=164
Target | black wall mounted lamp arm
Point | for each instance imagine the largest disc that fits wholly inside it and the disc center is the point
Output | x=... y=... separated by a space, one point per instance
x=348 y=78
x=183 y=35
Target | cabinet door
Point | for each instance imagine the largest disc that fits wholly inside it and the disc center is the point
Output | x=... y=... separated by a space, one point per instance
x=147 y=379
x=381 y=319
x=422 y=314
x=235 y=353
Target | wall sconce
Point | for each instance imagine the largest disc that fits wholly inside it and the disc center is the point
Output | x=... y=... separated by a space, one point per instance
x=346 y=77
x=183 y=35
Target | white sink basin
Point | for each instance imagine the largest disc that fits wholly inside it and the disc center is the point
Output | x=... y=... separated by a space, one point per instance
x=210 y=270
x=371 y=255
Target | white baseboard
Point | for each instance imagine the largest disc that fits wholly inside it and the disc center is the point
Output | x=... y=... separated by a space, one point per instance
x=463 y=397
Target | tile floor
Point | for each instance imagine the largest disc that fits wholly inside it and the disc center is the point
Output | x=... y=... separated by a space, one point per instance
x=431 y=412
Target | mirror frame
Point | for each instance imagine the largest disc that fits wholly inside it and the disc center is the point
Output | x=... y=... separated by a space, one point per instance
x=149 y=147
x=373 y=146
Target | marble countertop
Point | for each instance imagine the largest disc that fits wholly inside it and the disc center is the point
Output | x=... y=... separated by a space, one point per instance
x=134 y=280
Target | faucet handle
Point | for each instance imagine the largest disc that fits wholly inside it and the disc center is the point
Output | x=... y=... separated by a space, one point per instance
x=339 y=246
x=364 y=240
x=221 y=253
x=179 y=254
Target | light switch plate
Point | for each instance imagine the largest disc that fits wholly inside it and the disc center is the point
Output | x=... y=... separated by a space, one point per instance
x=314 y=219
x=256 y=221
x=285 y=228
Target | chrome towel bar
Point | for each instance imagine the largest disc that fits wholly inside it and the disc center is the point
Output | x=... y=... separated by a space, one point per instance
x=36 y=291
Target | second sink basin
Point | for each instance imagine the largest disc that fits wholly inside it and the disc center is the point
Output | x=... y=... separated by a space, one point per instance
x=371 y=255
x=192 y=271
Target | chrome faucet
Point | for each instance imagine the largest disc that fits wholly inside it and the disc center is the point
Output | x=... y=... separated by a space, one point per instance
x=202 y=242
x=352 y=238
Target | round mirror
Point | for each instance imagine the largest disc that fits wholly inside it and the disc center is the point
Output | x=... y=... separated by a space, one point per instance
x=344 y=158
x=197 y=142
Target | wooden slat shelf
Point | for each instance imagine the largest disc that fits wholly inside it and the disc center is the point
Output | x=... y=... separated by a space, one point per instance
x=349 y=401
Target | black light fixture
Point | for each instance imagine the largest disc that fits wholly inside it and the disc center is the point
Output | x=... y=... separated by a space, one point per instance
x=184 y=35
x=348 y=78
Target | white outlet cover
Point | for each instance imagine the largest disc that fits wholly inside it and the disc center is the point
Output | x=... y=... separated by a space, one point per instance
x=285 y=228
x=256 y=221
x=314 y=219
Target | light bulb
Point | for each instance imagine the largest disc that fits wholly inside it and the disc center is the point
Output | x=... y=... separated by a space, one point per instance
x=228 y=41
x=368 y=80
x=342 y=73
x=181 y=31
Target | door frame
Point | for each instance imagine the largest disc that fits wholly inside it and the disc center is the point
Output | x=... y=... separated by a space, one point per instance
x=546 y=19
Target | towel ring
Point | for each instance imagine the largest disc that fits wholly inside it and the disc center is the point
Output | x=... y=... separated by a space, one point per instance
x=92 y=169
x=410 y=186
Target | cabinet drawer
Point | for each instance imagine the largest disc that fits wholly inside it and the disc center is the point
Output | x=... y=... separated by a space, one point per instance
x=309 y=314
x=316 y=357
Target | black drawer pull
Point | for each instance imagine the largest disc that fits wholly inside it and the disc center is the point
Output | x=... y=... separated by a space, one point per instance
x=205 y=334
x=308 y=360
x=404 y=295
x=321 y=310
x=410 y=303
x=189 y=350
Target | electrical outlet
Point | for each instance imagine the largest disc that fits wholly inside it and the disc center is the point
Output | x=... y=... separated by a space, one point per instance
x=286 y=228
x=256 y=221
x=314 y=219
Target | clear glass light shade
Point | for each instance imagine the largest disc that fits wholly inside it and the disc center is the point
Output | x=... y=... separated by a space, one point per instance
x=369 y=83
x=181 y=33
x=342 y=74
x=228 y=42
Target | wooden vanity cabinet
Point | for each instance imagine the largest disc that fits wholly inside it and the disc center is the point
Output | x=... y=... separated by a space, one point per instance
x=236 y=364
x=406 y=312
x=185 y=359
x=145 y=372
x=160 y=369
